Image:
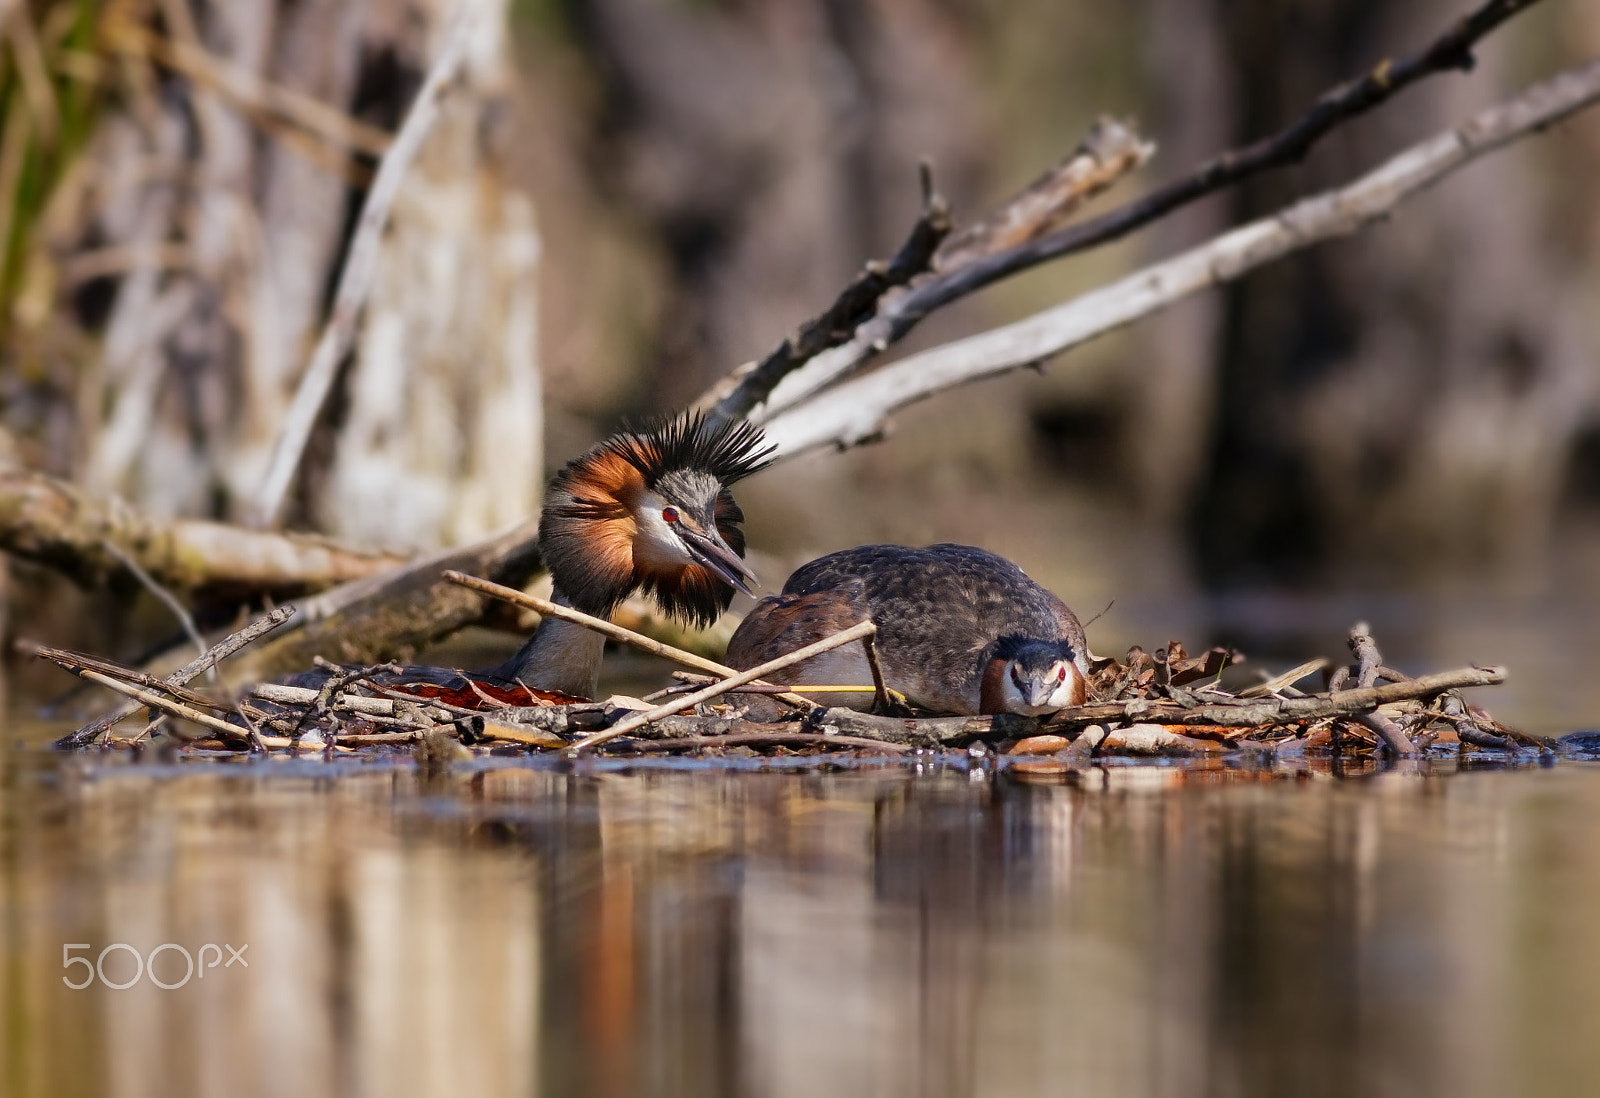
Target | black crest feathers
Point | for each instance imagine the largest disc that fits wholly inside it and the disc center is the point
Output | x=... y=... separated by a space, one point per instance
x=730 y=451
x=586 y=529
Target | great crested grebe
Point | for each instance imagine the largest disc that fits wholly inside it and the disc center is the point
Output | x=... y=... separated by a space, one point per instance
x=960 y=630
x=644 y=509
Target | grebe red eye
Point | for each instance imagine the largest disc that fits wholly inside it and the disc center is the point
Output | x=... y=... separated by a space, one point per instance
x=1061 y=676
x=670 y=514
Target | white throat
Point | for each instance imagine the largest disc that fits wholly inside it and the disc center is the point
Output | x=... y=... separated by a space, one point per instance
x=1018 y=700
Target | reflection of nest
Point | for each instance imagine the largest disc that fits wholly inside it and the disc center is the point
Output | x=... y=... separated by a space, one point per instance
x=1168 y=703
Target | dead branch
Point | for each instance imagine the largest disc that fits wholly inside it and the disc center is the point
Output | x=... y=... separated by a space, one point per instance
x=689 y=701
x=355 y=281
x=1394 y=737
x=153 y=700
x=855 y=411
x=618 y=633
x=734 y=396
x=1109 y=151
x=218 y=652
x=167 y=599
x=1450 y=52
x=53 y=523
x=392 y=614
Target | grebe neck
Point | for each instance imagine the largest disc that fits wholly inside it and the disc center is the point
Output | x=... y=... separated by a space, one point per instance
x=559 y=656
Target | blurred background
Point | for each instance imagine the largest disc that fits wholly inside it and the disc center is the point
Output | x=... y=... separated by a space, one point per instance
x=628 y=198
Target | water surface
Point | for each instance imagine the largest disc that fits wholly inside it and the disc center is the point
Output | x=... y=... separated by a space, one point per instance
x=927 y=927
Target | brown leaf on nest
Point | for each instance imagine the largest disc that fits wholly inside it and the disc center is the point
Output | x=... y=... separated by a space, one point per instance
x=475 y=694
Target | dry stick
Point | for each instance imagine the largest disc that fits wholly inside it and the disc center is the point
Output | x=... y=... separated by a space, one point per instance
x=609 y=629
x=1393 y=736
x=149 y=699
x=1110 y=151
x=692 y=679
x=689 y=701
x=1369 y=663
x=337 y=681
x=880 y=689
x=185 y=674
x=179 y=611
x=257 y=744
x=750 y=384
x=1279 y=710
x=1451 y=51
x=1287 y=679
x=855 y=411
x=156 y=724
x=355 y=281
x=304 y=695
x=1269 y=711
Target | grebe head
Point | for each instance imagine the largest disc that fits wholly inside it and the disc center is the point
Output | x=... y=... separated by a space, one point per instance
x=1040 y=677
x=651 y=508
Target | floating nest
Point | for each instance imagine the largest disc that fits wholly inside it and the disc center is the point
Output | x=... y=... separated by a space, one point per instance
x=1161 y=703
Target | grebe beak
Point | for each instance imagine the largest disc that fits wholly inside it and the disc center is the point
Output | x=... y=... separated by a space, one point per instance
x=712 y=552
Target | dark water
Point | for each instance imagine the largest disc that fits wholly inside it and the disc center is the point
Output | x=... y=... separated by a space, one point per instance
x=903 y=928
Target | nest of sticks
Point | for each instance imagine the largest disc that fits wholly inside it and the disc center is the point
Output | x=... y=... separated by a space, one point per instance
x=1166 y=703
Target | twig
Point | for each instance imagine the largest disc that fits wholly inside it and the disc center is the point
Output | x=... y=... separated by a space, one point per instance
x=179 y=611
x=1109 y=151
x=855 y=411
x=187 y=673
x=355 y=281
x=1467 y=730
x=1451 y=51
x=151 y=700
x=1287 y=679
x=689 y=701
x=692 y=679
x=341 y=678
x=304 y=695
x=880 y=690
x=256 y=743
x=1393 y=736
x=616 y=632
x=1280 y=710
x=1368 y=659
x=857 y=303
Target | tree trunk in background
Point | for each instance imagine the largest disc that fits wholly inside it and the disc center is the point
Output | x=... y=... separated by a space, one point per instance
x=1414 y=392
x=210 y=233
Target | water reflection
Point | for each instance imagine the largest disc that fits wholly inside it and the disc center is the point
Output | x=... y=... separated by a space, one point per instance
x=886 y=929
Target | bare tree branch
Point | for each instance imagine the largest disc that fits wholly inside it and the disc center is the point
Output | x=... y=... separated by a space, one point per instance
x=1109 y=151
x=900 y=313
x=855 y=411
x=51 y=522
x=1451 y=51
x=749 y=385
